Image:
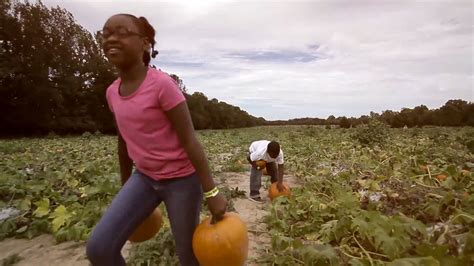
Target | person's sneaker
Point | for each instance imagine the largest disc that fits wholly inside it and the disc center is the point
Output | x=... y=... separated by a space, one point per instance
x=256 y=198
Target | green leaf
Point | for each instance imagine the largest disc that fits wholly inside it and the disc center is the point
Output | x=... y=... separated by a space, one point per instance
x=452 y=170
x=81 y=169
x=374 y=186
x=343 y=228
x=431 y=250
x=22 y=229
x=389 y=235
x=43 y=207
x=438 y=252
x=25 y=204
x=73 y=183
x=327 y=230
x=60 y=217
x=449 y=183
x=319 y=255
x=469 y=243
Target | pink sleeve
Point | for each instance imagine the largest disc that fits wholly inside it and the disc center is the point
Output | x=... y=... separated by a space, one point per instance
x=169 y=95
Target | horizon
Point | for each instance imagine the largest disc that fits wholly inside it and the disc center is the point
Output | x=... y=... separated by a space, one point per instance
x=354 y=58
x=359 y=116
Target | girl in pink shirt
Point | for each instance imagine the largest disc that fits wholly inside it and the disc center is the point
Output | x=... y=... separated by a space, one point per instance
x=156 y=134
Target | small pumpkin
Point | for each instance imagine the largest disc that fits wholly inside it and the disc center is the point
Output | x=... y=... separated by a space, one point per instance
x=148 y=228
x=273 y=191
x=261 y=164
x=223 y=243
x=441 y=177
x=424 y=168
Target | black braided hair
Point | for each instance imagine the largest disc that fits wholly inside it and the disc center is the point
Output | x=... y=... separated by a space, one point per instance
x=149 y=32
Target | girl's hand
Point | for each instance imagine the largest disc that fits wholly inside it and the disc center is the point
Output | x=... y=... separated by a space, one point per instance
x=217 y=206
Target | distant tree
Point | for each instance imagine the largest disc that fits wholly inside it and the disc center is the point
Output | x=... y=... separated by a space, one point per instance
x=453 y=113
x=420 y=115
x=344 y=122
x=213 y=114
x=51 y=70
x=406 y=117
x=180 y=83
x=364 y=119
x=54 y=76
x=374 y=115
x=388 y=117
x=331 y=120
x=469 y=115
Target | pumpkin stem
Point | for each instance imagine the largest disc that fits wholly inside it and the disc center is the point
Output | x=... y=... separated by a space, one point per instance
x=213 y=220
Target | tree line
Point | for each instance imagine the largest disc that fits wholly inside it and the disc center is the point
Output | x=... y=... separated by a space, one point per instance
x=53 y=77
x=454 y=113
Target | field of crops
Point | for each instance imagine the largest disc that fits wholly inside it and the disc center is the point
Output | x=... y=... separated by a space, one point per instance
x=367 y=196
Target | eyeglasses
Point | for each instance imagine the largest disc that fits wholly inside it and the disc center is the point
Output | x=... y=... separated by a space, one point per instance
x=121 y=33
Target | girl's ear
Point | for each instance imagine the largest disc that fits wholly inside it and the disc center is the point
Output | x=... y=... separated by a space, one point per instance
x=147 y=45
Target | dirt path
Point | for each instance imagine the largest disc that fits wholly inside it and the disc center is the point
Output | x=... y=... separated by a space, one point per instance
x=42 y=250
x=253 y=213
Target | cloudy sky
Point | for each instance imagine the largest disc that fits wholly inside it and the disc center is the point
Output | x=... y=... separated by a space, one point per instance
x=287 y=59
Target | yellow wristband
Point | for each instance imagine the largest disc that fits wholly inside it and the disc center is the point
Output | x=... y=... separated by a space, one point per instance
x=211 y=193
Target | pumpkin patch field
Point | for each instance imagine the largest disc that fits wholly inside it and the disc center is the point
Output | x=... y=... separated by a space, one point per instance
x=369 y=195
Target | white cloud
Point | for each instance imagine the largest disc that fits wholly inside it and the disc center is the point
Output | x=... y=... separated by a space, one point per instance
x=370 y=55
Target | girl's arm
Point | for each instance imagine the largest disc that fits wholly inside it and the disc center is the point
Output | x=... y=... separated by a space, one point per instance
x=181 y=120
x=126 y=164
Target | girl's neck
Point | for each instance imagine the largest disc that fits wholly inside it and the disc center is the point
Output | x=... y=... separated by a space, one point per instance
x=133 y=73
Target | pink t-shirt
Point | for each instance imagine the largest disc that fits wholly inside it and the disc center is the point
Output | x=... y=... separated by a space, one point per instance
x=152 y=142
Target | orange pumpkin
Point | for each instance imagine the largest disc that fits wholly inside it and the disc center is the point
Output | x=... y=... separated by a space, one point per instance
x=261 y=164
x=273 y=191
x=148 y=228
x=424 y=168
x=441 y=177
x=223 y=243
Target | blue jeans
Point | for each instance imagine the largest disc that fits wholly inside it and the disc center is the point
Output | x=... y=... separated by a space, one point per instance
x=256 y=178
x=135 y=201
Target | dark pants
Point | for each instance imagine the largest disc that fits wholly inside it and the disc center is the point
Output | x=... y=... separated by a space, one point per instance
x=135 y=201
x=256 y=178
